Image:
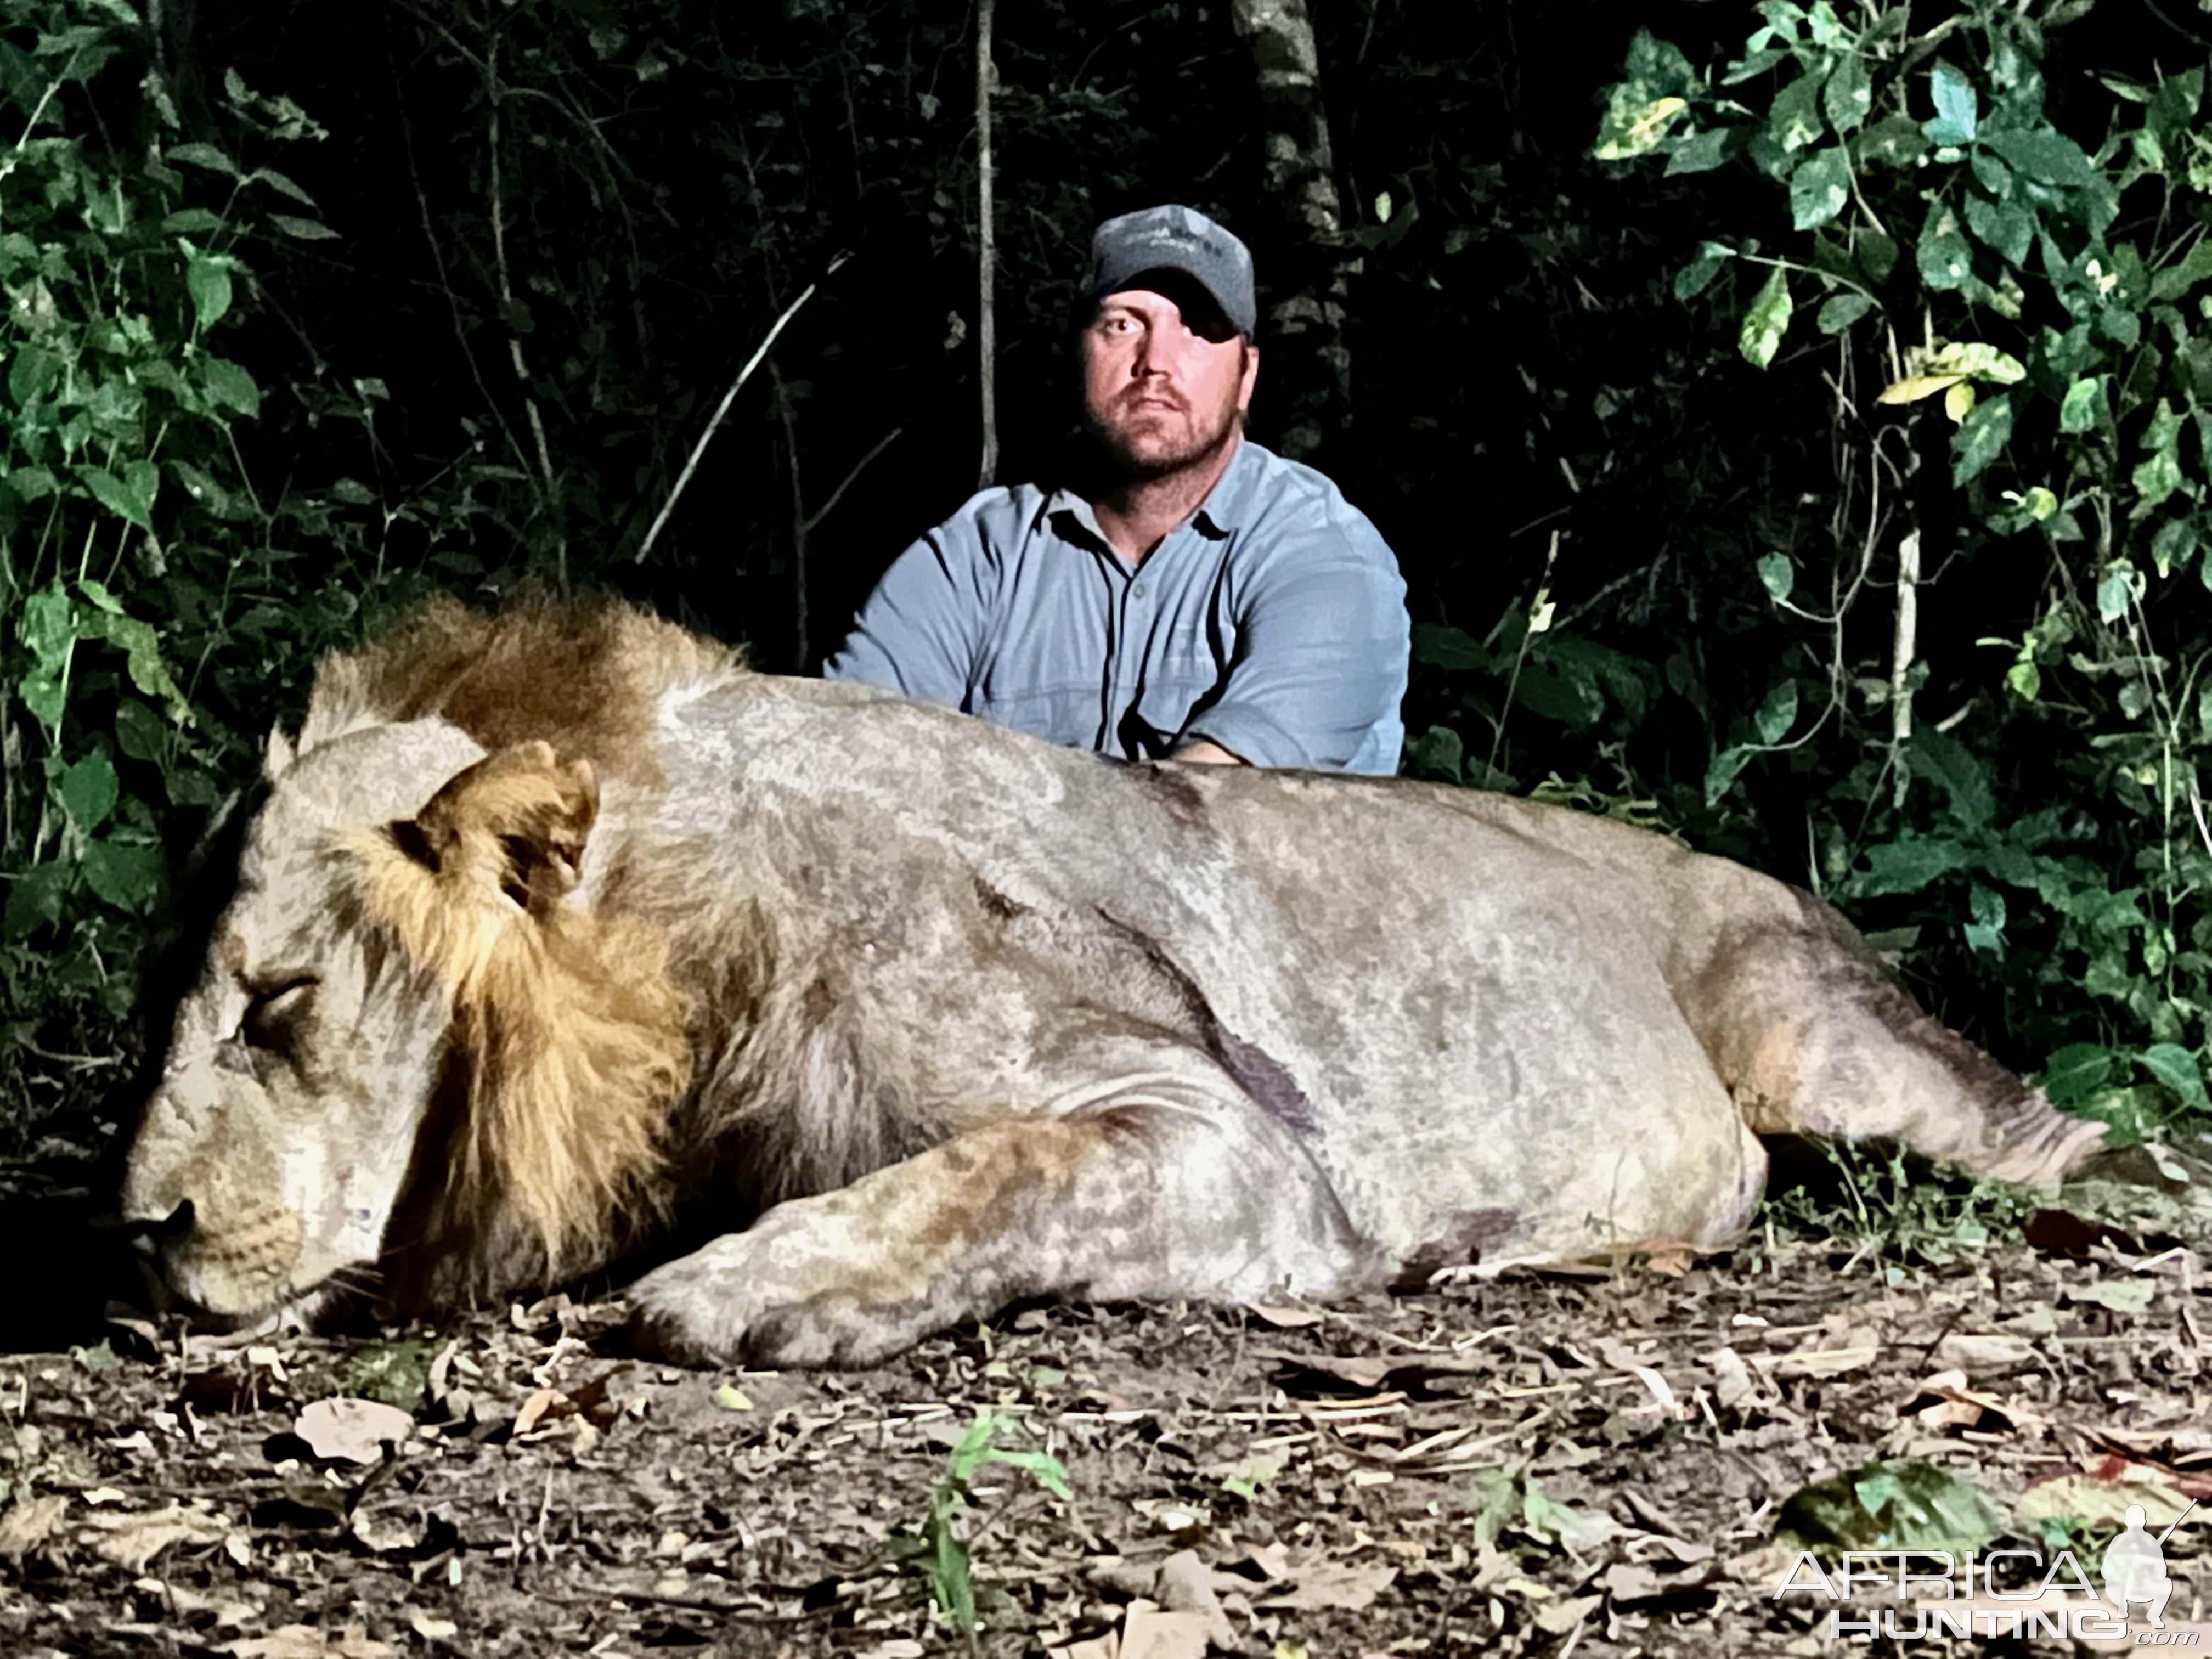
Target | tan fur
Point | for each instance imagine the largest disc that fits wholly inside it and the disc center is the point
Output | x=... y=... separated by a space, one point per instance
x=571 y=1034
x=585 y=677
x=929 y=1016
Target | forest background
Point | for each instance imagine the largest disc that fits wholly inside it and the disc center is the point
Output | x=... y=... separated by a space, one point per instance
x=1794 y=424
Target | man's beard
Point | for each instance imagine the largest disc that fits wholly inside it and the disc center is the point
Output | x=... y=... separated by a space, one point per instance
x=1205 y=441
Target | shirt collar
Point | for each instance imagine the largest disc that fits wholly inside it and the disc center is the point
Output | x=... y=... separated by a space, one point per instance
x=1224 y=509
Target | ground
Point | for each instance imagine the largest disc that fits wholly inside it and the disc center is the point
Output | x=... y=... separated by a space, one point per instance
x=1545 y=1464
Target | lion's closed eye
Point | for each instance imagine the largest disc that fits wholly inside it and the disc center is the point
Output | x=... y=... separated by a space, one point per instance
x=273 y=1014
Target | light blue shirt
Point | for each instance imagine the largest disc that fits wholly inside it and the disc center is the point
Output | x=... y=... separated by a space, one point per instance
x=1271 y=621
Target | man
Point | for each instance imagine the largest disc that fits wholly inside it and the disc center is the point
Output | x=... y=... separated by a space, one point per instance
x=1193 y=597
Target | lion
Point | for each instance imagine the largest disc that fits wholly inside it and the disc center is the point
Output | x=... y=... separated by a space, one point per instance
x=561 y=932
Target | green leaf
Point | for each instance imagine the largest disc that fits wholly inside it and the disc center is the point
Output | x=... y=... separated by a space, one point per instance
x=2171 y=547
x=1895 y=141
x=2009 y=229
x=123 y=874
x=1703 y=151
x=35 y=899
x=2117 y=589
x=32 y=483
x=229 y=385
x=1777 y=714
x=142 y=649
x=1945 y=260
x=32 y=372
x=283 y=185
x=1693 y=278
x=1820 y=188
x=1953 y=768
x=2157 y=478
x=2044 y=154
x=1767 y=320
x=190 y=221
x=1889 y=1506
x=201 y=155
x=1840 y=310
x=307 y=230
x=1721 y=776
x=2084 y=406
x=1795 y=120
x=1957 y=117
x=208 y=281
x=1776 y=575
x=139 y=732
x=130 y=496
x=2175 y=1067
x=88 y=790
x=1981 y=437
x=2076 y=1072
x=1848 y=96
x=1437 y=645
x=1908 y=865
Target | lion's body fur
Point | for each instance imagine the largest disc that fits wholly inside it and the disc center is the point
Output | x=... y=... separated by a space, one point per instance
x=957 y=1016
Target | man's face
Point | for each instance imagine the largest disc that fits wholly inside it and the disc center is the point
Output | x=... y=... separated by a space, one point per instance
x=1161 y=390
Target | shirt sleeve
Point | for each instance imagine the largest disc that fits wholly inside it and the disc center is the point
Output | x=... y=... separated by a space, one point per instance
x=1323 y=643
x=920 y=631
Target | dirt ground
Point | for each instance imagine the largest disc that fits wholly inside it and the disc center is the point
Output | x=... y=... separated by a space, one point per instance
x=1543 y=1465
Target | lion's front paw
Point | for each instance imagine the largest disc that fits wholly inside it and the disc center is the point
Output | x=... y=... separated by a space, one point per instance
x=739 y=1302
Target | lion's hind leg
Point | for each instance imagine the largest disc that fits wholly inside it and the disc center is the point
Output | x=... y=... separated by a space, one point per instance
x=1176 y=1187
x=1812 y=1035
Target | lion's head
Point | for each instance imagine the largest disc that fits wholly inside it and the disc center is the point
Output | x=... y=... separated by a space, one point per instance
x=408 y=1047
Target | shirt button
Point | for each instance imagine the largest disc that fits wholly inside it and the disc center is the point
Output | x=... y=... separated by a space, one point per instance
x=1137 y=590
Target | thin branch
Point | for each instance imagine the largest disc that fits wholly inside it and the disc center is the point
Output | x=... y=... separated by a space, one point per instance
x=722 y=410
x=838 y=494
x=547 y=497
x=986 y=253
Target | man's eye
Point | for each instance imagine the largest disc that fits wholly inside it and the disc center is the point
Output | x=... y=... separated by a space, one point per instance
x=270 y=1015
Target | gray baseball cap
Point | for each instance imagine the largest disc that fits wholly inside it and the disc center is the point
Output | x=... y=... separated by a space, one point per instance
x=1175 y=238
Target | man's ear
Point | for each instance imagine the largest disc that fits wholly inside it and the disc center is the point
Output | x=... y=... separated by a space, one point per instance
x=517 y=821
x=1251 y=375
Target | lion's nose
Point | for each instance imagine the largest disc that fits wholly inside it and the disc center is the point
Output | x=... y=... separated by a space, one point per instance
x=148 y=1236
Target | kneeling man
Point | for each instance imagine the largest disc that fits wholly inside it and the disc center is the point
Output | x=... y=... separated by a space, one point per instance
x=1190 y=595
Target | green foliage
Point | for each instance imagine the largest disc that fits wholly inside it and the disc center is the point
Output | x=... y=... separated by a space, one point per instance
x=940 y=1553
x=154 y=597
x=1895 y=1212
x=2035 y=288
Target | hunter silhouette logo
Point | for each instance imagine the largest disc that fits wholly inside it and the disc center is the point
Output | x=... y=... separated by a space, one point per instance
x=2135 y=1566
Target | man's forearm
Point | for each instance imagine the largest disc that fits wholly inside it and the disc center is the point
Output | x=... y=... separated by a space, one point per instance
x=1205 y=752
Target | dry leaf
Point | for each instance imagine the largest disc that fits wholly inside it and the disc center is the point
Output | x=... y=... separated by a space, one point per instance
x=1324 y=1583
x=306 y=1642
x=353 y=1431
x=1732 y=1383
x=1148 y=1632
x=1185 y=1585
x=1557 y=1618
x=1982 y=1353
x=1282 y=1315
x=132 y=1540
x=432 y=1628
x=30 y=1524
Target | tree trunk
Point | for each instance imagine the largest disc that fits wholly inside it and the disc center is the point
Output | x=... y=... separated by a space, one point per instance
x=1305 y=266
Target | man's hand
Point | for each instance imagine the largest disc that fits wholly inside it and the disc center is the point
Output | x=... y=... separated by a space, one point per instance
x=1205 y=752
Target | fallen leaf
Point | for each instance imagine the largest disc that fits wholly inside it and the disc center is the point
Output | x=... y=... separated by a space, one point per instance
x=306 y=1642
x=1149 y=1632
x=732 y=1397
x=2102 y=1499
x=1324 y=1583
x=1185 y=1585
x=1895 y=1506
x=1557 y=1618
x=1980 y=1353
x=2120 y=1295
x=30 y=1524
x=132 y=1540
x=432 y=1628
x=1732 y=1383
x=1283 y=1317
x=352 y=1430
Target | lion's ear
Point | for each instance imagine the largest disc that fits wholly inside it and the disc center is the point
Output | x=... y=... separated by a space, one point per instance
x=277 y=755
x=516 y=821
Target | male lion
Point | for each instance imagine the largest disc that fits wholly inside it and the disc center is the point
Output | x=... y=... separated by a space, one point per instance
x=557 y=923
